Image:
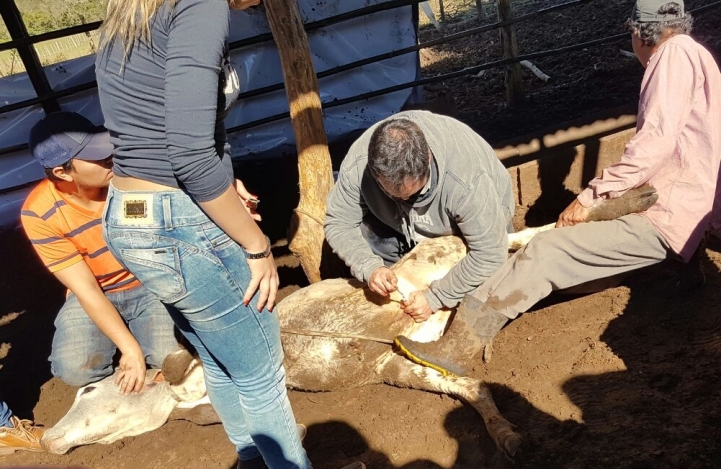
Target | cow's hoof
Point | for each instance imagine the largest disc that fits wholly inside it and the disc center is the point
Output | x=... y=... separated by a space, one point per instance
x=635 y=200
x=511 y=446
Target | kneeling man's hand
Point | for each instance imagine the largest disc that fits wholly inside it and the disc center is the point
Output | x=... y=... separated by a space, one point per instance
x=130 y=377
x=417 y=307
x=383 y=281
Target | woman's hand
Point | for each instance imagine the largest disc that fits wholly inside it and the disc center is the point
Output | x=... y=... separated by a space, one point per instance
x=264 y=277
x=242 y=4
x=249 y=201
x=131 y=372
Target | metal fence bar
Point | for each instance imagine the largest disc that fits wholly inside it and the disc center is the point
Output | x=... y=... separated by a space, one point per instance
x=368 y=60
x=15 y=26
x=60 y=33
x=447 y=76
x=424 y=45
x=342 y=68
x=333 y=20
x=312 y=26
x=50 y=96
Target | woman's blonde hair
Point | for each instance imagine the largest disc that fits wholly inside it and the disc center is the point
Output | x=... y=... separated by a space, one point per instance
x=129 y=20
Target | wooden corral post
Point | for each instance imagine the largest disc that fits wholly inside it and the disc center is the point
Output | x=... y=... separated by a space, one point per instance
x=514 y=74
x=314 y=165
x=479 y=7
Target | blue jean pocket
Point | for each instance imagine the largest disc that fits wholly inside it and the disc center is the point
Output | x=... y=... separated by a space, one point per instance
x=158 y=269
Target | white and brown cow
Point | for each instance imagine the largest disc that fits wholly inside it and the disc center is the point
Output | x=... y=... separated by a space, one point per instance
x=338 y=307
x=336 y=335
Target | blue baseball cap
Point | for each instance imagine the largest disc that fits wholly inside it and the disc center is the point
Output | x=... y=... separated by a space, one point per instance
x=62 y=136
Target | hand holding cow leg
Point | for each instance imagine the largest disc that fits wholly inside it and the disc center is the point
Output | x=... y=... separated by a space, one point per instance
x=383 y=281
x=574 y=214
x=131 y=372
x=635 y=200
x=417 y=307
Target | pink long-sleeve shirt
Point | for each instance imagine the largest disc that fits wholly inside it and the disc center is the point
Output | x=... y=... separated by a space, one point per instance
x=677 y=146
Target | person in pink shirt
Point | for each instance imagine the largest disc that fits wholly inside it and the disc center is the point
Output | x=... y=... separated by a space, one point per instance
x=677 y=150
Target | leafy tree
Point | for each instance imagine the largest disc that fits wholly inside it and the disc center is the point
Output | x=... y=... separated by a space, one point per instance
x=41 y=16
x=81 y=12
x=39 y=21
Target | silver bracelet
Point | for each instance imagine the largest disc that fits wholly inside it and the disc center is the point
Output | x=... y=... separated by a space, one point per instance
x=259 y=255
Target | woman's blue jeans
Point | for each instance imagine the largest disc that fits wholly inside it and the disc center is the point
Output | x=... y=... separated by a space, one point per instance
x=178 y=253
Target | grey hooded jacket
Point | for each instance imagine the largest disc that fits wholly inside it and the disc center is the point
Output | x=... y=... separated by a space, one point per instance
x=473 y=198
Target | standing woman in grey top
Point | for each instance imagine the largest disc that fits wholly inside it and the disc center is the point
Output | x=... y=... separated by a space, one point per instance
x=177 y=219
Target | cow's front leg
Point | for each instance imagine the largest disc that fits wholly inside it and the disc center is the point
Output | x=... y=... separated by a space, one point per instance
x=404 y=374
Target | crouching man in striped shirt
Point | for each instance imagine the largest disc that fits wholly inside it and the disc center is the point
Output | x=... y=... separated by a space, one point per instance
x=106 y=307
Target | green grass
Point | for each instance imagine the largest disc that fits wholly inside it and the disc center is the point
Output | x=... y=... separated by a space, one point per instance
x=48 y=54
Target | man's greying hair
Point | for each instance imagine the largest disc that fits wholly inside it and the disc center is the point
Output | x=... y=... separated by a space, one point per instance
x=67 y=167
x=398 y=151
x=652 y=32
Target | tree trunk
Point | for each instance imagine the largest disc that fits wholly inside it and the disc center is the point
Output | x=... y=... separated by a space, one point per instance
x=314 y=166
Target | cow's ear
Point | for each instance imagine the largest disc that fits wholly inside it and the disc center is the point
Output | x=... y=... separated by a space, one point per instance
x=193 y=386
x=154 y=375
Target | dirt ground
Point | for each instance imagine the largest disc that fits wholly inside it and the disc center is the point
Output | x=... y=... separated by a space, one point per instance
x=625 y=378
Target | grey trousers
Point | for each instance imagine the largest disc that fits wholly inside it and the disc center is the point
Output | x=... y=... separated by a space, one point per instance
x=564 y=258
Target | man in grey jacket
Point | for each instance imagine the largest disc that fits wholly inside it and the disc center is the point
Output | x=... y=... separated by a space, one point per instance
x=413 y=176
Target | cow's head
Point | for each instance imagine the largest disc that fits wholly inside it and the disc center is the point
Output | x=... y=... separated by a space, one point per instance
x=102 y=414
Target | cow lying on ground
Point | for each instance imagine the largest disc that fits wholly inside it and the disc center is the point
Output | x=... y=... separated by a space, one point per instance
x=101 y=414
x=336 y=335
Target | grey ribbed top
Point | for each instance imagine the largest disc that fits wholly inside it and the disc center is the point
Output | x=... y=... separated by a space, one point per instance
x=164 y=105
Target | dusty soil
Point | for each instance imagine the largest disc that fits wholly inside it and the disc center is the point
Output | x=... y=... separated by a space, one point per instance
x=625 y=378
x=592 y=79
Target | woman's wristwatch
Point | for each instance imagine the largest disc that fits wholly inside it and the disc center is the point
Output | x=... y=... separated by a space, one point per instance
x=259 y=255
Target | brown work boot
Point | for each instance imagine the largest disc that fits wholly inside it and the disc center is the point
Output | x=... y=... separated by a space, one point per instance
x=471 y=332
x=23 y=435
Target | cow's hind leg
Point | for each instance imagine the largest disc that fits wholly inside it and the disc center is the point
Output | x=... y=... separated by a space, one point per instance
x=402 y=373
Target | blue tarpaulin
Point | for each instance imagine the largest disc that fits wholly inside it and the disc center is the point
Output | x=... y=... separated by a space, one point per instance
x=258 y=66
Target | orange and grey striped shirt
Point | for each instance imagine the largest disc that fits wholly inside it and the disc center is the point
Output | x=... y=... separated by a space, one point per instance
x=64 y=234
